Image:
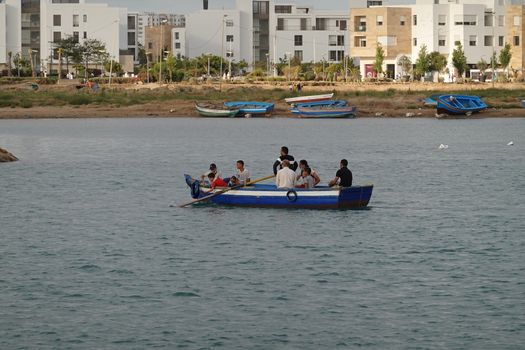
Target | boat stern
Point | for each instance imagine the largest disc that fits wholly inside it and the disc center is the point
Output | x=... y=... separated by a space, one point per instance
x=355 y=197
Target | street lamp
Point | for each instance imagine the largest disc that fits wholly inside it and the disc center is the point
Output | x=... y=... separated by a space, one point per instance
x=289 y=56
x=147 y=64
x=33 y=62
x=209 y=66
x=222 y=49
x=267 y=64
x=161 y=51
x=493 y=49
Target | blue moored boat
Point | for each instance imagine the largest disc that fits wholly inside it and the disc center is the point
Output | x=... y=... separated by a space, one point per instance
x=251 y=108
x=322 y=104
x=337 y=112
x=269 y=196
x=459 y=104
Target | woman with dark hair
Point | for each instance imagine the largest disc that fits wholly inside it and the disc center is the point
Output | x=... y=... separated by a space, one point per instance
x=303 y=164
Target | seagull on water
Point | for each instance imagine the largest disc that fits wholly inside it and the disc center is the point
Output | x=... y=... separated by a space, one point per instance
x=511 y=143
x=442 y=146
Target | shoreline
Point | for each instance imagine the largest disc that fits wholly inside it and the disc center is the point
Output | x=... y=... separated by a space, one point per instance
x=185 y=109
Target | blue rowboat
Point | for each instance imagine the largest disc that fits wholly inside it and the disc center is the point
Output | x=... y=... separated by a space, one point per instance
x=341 y=112
x=459 y=104
x=251 y=108
x=431 y=100
x=269 y=196
x=322 y=104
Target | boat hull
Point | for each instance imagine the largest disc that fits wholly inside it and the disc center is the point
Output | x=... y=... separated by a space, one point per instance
x=268 y=196
x=252 y=108
x=216 y=113
x=459 y=104
x=306 y=99
x=328 y=113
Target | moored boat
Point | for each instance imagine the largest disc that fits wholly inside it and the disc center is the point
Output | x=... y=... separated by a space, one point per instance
x=523 y=103
x=269 y=196
x=215 y=112
x=251 y=108
x=340 y=112
x=312 y=98
x=459 y=104
x=322 y=104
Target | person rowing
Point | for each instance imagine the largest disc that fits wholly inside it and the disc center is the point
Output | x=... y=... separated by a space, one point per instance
x=284 y=156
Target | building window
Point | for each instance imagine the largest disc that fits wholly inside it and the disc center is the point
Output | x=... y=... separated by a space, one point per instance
x=131 y=23
x=414 y=20
x=131 y=38
x=489 y=40
x=75 y=21
x=442 y=41
x=332 y=55
x=501 y=21
x=298 y=40
x=85 y=35
x=283 y=9
x=229 y=54
x=465 y=20
x=360 y=41
x=442 y=20
x=472 y=40
x=280 y=23
x=84 y=18
x=501 y=40
x=340 y=40
x=75 y=36
x=229 y=38
x=57 y=37
x=516 y=40
x=516 y=20
x=489 y=20
x=150 y=46
x=229 y=23
x=390 y=40
x=332 y=40
x=298 y=54
x=177 y=35
x=341 y=24
x=414 y=41
x=177 y=45
x=402 y=20
x=57 y=20
x=379 y=20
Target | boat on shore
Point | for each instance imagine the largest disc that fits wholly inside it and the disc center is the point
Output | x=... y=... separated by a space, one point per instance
x=523 y=103
x=215 y=112
x=326 y=113
x=322 y=104
x=249 y=108
x=312 y=98
x=459 y=104
x=268 y=196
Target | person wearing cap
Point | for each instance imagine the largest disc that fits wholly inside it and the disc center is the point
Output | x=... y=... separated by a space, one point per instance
x=284 y=156
x=212 y=170
x=285 y=177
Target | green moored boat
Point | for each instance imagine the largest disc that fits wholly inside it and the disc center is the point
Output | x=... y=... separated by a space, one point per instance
x=216 y=112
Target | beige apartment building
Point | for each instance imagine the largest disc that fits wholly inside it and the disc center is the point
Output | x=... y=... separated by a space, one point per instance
x=389 y=26
x=157 y=38
x=515 y=36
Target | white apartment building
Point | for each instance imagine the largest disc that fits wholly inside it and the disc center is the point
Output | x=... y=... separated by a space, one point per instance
x=151 y=19
x=307 y=34
x=34 y=26
x=3 y=34
x=479 y=25
x=178 y=46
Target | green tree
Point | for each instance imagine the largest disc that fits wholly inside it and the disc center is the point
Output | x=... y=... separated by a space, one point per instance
x=422 y=62
x=406 y=65
x=377 y=67
x=143 y=59
x=438 y=62
x=91 y=51
x=69 y=47
x=459 y=60
x=505 y=56
x=113 y=66
x=482 y=66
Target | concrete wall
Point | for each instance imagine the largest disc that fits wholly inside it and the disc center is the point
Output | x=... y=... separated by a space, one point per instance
x=157 y=39
x=13 y=25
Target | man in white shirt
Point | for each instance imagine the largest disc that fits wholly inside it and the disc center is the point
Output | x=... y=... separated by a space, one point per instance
x=242 y=173
x=285 y=177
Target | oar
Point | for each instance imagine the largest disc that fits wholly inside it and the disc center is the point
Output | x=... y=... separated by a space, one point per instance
x=203 y=199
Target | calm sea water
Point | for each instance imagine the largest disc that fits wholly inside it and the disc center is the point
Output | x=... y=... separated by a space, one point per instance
x=92 y=256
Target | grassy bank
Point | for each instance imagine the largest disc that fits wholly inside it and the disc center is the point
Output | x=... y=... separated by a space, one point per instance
x=24 y=98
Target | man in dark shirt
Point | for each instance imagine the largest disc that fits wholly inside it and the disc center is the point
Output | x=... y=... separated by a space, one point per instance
x=343 y=177
x=284 y=156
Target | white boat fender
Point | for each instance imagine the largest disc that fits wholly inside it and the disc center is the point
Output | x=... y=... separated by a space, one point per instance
x=511 y=143
x=292 y=196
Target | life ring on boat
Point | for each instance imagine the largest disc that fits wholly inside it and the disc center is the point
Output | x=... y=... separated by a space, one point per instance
x=292 y=196
x=195 y=189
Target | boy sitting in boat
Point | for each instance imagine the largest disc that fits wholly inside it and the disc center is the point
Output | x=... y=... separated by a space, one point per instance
x=307 y=180
x=216 y=181
x=303 y=164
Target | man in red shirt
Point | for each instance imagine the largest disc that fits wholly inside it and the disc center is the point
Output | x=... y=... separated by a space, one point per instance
x=216 y=181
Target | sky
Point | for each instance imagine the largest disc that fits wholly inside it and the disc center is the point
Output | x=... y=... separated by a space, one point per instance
x=188 y=6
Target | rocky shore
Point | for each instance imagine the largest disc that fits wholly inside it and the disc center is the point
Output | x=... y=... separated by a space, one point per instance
x=6 y=156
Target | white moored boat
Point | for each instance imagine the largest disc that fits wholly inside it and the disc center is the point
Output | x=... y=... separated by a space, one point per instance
x=312 y=98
